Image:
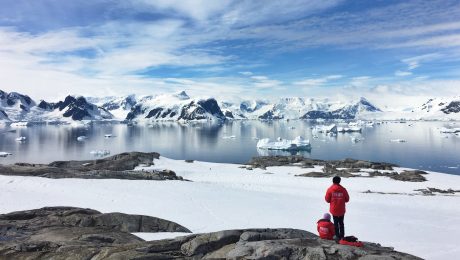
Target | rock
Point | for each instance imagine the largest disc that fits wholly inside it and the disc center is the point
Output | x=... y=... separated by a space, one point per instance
x=76 y=233
x=119 y=166
x=411 y=176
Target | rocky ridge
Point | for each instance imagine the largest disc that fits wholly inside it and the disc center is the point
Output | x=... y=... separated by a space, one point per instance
x=76 y=233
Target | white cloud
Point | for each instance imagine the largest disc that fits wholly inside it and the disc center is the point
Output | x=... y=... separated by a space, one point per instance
x=400 y=73
x=315 y=82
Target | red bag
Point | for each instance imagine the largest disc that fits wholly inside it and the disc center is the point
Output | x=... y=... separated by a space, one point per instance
x=350 y=241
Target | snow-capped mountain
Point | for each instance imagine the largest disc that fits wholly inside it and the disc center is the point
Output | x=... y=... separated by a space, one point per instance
x=175 y=107
x=14 y=105
x=438 y=108
x=76 y=108
x=349 y=111
x=18 y=107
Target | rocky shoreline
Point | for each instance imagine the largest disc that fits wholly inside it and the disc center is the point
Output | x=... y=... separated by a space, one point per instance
x=119 y=166
x=77 y=233
x=122 y=166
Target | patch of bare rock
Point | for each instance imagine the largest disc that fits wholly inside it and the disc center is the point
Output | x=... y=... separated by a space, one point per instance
x=76 y=233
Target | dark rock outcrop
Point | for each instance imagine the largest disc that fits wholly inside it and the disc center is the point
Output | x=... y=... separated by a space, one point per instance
x=119 y=166
x=453 y=107
x=76 y=233
x=348 y=167
x=267 y=161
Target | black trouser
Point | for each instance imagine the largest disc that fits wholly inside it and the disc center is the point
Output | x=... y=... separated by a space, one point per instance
x=339 y=227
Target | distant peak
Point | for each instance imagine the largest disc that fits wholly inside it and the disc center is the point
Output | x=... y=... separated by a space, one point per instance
x=182 y=95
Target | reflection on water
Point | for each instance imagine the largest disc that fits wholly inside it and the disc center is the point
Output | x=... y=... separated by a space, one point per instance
x=426 y=147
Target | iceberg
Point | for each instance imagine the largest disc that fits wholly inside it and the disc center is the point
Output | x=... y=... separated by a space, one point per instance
x=21 y=139
x=20 y=124
x=349 y=129
x=450 y=130
x=100 y=152
x=398 y=141
x=5 y=154
x=298 y=144
x=326 y=128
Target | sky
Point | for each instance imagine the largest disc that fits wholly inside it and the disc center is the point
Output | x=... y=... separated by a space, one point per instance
x=392 y=52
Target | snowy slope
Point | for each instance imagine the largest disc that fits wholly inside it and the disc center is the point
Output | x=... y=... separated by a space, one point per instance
x=119 y=107
x=225 y=196
x=175 y=107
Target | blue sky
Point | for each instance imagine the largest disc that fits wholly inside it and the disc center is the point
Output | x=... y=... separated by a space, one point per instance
x=400 y=51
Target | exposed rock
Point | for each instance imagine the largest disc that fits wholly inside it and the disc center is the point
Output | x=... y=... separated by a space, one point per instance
x=119 y=166
x=267 y=161
x=412 y=176
x=75 y=233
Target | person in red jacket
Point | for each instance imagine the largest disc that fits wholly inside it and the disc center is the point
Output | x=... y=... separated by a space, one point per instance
x=325 y=227
x=337 y=196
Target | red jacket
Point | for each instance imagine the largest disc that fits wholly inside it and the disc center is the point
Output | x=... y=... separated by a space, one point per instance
x=325 y=229
x=337 y=196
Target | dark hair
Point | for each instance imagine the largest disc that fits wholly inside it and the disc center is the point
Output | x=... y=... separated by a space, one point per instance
x=336 y=179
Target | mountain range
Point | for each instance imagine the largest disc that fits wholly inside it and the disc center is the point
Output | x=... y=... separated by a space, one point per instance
x=16 y=107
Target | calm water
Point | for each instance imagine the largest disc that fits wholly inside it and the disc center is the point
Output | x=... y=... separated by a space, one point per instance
x=425 y=148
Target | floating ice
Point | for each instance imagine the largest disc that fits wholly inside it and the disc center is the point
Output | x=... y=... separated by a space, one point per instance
x=20 y=124
x=100 y=152
x=298 y=144
x=81 y=138
x=398 y=141
x=21 y=139
x=450 y=130
x=326 y=128
x=5 y=154
x=356 y=139
x=349 y=129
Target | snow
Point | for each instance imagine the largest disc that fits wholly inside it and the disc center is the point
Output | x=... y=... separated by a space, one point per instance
x=297 y=144
x=225 y=196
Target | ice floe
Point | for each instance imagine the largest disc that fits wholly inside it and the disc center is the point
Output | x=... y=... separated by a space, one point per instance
x=5 y=154
x=100 y=152
x=449 y=130
x=349 y=129
x=398 y=141
x=81 y=138
x=21 y=139
x=326 y=128
x=297 y=144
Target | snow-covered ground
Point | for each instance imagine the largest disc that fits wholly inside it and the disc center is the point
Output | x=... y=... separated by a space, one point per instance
x=225 y=196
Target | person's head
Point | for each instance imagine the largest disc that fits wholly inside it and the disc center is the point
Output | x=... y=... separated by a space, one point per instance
x=336 y=180
x=327 y=216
